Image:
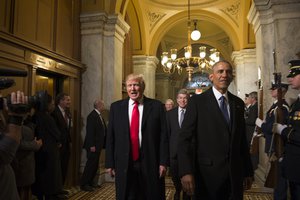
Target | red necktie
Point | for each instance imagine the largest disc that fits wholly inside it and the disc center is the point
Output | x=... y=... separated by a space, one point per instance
x=134 y=131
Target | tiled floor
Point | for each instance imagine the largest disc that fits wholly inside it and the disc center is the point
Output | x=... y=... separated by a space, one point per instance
x=107 y=192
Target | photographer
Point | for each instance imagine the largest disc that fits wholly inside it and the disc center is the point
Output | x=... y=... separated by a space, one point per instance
x=10 y=135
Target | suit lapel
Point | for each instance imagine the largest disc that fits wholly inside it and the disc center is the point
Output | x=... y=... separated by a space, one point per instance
x=215 y=107
x=146 y=111
x=124 y=113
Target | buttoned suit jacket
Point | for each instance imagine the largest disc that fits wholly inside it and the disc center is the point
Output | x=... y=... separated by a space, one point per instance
x=95 y=132
x=220 y=151
x=250 y=121
x=153 y=149
x=62 y=125
x=173 y=130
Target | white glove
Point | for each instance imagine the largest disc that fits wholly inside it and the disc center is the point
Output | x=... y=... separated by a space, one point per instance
x=277 y=128
x=258 y=122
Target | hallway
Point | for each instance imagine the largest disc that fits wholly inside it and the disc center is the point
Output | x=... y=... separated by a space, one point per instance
x=106 y=192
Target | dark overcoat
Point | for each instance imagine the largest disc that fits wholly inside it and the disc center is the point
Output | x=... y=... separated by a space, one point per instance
x=153 y=150
x=95 y=132
x=221 y=151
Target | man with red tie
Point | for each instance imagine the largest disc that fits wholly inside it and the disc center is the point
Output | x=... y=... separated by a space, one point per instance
x=137 y=144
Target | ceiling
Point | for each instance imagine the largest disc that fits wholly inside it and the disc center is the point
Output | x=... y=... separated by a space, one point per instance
x=222 y=23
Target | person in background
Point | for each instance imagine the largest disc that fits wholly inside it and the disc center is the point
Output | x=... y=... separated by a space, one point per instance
x=250 y=124
x=174 y=120
x=290 y=134
x=63 y=120
x=93 y=144
x=10 y=136
x=169 y=104
x=137 y=144
x=280 y=191
x=214 y=159
x=24 y=162
x=247 y=105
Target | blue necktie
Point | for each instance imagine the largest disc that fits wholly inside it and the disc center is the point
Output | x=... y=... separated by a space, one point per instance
x=223 y=107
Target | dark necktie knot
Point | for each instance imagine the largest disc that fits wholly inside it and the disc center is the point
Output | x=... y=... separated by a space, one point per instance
x=223 y=107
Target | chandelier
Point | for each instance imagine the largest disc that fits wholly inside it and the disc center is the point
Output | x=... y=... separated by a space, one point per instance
x=190 y=63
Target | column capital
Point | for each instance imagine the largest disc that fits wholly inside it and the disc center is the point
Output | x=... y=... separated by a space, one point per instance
x=102 y=23
x=244 y=56
x=264 y=12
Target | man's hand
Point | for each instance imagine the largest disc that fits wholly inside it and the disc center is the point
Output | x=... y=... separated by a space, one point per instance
x=162 y=171
x=111 y=172
x=277 y=128
x=248 y=183
x=188 y=184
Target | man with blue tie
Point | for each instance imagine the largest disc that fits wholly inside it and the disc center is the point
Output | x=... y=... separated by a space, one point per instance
x=214 y=159
x=174 y=121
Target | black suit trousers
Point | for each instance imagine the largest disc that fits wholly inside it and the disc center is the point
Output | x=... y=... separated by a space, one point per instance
x=90 y=169
x=135 y=189
x=64 y=159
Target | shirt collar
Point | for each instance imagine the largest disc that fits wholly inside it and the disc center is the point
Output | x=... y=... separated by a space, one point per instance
x=131 y=102
x=97 y=111
x=219 y=94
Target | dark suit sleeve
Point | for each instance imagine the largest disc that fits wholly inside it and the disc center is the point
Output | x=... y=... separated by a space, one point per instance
x=164 y=142
x=8 y=148
x=110 y=145
x=90 y=131
x=185 y=140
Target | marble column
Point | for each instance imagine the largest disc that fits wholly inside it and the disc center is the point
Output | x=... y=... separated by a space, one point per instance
x=102 y=38
x=164 y=86
x=246 y=71
x=146 y=65
x=276 y=27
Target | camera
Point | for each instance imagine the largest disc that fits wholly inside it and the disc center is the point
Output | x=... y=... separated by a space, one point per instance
x=38 y=101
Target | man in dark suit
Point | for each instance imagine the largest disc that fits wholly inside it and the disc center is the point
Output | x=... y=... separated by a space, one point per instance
x=174 y=120
x=137 y=144
x=291 y=136
x=214 y=160
x=93 y=143
x=63 y=120
x=250 y=125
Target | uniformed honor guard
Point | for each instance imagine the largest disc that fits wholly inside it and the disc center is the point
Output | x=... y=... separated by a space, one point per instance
x=291 y=135
x=280 y=190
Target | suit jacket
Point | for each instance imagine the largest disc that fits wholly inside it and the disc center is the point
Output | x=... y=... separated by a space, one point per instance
x=95 y=132
x=291 y=136
x=62 y=125
x=173 y=129
x=153 y=149
x=250 y=121
x=220 y=151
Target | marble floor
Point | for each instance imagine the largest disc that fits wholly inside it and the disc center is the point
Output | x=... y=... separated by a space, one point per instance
x=107 y=192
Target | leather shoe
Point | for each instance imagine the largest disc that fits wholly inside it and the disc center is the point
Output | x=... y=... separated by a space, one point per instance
x=87 y=188
x=95 y=186
x=64 y=192
x=177 y=195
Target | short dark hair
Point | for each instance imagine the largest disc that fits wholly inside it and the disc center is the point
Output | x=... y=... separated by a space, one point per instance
x=60 y=97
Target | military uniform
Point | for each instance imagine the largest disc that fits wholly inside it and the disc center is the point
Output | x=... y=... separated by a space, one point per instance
x=291 y=136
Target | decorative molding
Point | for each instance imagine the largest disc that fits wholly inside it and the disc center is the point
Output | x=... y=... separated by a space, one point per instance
x=153 y=18
x=225 y=42
x=232 y=11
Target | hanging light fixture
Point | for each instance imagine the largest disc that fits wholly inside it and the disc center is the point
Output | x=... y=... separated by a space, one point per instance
x=195 y=35
x=190 y=63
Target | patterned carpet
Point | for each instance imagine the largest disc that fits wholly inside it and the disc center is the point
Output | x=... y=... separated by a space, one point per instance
x=107 y=192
